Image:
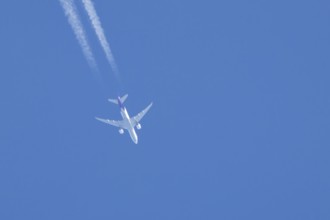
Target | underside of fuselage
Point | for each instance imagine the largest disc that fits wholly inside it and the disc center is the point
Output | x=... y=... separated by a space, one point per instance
x=128 y=125
x=133 y=135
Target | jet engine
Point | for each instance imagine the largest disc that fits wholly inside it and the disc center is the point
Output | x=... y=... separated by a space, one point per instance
x=121 y=131
x=138 y=126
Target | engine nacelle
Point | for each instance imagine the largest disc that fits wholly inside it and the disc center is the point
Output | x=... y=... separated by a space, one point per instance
x=121 y=131
x=138 y=126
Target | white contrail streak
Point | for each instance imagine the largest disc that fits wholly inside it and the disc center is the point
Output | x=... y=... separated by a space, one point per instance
x=95 y=20
x=78 y=29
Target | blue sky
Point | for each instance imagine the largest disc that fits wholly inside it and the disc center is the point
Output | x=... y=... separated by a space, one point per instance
x=239 y=128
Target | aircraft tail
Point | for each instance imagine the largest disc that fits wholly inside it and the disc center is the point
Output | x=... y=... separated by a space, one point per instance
x=122 y=99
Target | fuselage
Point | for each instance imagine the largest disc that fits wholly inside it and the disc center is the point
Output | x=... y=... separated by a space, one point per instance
x=128 y=123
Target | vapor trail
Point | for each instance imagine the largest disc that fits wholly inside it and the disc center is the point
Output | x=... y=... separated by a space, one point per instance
x=95 y=20
x=78 y=29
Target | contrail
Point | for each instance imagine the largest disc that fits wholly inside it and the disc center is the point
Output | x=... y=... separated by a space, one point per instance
x=78 y=29
x=95 y=20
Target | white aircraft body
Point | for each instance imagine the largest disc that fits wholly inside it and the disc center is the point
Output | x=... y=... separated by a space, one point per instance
x=127 y=123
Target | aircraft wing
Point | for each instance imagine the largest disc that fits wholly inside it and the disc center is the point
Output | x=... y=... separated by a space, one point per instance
x=139 y=116
x=119 y=124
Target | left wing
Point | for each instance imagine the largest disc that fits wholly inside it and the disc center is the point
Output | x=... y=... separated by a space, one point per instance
x=119 y=124
x=139 y=116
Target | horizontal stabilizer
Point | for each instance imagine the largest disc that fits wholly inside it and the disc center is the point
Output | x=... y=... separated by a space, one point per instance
x=122 y=99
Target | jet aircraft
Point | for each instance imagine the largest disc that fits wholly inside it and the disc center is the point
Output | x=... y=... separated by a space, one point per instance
x=128 y=123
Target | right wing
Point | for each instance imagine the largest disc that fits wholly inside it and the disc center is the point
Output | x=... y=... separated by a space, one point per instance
x=139 y=116
x=111 y=122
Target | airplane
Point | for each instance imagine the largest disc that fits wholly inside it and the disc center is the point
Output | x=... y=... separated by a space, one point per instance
x=127 y=123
